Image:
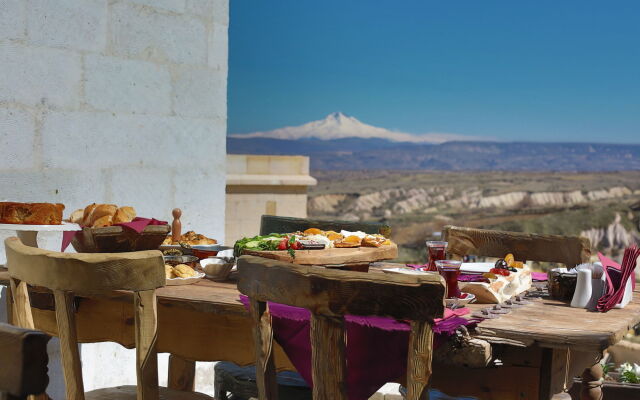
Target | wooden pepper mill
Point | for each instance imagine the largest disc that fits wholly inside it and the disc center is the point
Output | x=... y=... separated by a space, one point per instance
x=176 y=225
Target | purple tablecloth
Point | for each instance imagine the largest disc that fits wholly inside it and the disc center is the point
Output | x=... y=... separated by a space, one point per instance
x=376 y=347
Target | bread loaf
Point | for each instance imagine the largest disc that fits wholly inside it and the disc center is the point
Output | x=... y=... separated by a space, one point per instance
x=102 y=210
x=101 y=215
x=124 y=214
x=31 y=213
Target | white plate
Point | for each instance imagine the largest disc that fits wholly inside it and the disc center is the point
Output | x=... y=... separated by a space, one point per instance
x=64 y=226
x=185 y=281
x=405 y=271
x=476 y=268
x=461 y=302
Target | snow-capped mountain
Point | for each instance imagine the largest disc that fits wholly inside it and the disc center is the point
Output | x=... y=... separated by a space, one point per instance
x=340 y=126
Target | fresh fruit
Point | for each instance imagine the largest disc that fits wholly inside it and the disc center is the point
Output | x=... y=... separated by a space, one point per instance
x=509 y=259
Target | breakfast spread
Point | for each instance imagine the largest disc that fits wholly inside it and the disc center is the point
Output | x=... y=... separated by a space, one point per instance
x=31 y=213
x=101 y=215
x=506 y=279
x=310 y=239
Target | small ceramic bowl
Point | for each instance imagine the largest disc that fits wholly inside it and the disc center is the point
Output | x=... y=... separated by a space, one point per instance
x=217 y=268
x=460 y=302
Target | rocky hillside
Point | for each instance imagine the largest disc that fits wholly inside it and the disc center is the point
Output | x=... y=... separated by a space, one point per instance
x=604 y=207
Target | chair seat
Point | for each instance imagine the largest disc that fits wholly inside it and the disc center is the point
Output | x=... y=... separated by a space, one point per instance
x=129 y=393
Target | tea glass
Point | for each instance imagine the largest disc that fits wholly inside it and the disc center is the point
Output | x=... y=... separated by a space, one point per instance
x=450 y=270
x=435 y=251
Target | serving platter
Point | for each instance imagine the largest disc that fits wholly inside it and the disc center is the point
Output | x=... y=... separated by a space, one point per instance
x=332 y=256
x=185 y=281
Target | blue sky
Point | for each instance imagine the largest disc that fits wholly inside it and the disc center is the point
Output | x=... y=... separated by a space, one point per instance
x=513 y=70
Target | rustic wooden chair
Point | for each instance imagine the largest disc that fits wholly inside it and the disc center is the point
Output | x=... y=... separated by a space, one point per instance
x=276 y=224
x=23 y=362
x=568 y=250
x=94 y=274
x=241 y=381
x=329 y=295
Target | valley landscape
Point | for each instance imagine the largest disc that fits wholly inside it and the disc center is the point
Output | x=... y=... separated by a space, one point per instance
x=420 y=183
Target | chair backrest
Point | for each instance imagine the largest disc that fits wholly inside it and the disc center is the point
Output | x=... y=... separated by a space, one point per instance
x=568 y=250
x=23 y=362
x=275 y=224
x=329 y=295
x=88 y=274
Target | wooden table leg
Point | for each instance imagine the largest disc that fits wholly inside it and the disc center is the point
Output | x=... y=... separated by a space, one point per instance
x=592 y=383
x=182 y=374
x=554 y=370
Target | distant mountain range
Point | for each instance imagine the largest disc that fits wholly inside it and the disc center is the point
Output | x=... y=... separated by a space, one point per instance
x=340 y=126
x=343 y=143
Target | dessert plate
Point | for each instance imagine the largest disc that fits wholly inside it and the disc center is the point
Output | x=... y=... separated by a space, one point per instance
x=476 y=268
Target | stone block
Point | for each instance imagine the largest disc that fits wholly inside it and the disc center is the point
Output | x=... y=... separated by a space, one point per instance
x=202 y=8
x=71 y=24
x=12 y=19
x=221 y=12
x=218 y=47
x=17 y=135
x=258 y=165
x=236 y=164
x=143 y=33
x=75 y=188
x=200 y=92
x=123 y=141
x=115 y=84
x=148 y=190
x=201 y=211
x=171 y=5
x=39 y=76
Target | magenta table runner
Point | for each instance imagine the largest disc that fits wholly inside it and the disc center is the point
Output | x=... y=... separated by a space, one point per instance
x=376 y=347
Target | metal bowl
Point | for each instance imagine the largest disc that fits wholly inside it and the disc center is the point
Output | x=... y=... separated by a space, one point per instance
x=175 y=260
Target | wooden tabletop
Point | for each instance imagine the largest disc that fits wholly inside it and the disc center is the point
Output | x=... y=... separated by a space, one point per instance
x=545 y=322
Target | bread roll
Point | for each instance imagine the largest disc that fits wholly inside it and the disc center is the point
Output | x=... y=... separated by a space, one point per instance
x=102 y=210
x=124 y=214
x=77 y=216
x=106 y=220
x=86 y=215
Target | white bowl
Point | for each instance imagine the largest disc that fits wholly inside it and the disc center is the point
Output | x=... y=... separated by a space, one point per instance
x=217 y=269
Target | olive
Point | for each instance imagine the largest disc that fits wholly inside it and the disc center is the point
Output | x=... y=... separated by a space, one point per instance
x=501 y=263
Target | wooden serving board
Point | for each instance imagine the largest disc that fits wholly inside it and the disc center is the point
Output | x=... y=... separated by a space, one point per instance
x=332 y=256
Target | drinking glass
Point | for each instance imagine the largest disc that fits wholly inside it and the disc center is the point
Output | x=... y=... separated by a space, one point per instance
x=450 y=270
x=435 y=251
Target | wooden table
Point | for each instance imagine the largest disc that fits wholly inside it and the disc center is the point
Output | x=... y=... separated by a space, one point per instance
x=206 y=322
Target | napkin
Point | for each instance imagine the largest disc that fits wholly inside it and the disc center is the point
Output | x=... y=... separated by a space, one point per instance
x=617 y=276
x=137 y=224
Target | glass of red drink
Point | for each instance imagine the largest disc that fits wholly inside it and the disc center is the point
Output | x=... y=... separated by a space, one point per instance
x=435 y=251
x=450 y=269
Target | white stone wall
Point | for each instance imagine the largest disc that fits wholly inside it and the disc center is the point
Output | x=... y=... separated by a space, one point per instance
x=120 y=101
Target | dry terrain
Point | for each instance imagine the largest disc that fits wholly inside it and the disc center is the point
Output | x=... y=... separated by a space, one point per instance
x=602 y=206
